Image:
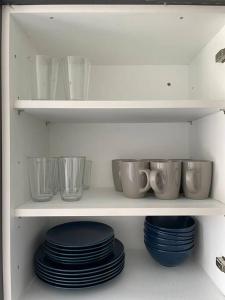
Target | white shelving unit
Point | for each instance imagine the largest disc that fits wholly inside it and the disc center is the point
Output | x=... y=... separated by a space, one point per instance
x=108 y=202
x=139 y=279
x=120 y=111
x=136 y=53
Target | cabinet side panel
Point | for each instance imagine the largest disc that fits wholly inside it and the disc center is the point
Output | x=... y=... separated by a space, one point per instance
x=206 y=77
x=28 y=137
x=207 y=142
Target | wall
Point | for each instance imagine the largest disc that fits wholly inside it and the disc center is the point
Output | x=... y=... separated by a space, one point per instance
x=206 y=77
x=207 y=142
x=104 y=142
x=138 y=82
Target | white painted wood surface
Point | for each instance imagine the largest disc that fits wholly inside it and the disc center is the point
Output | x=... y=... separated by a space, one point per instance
x=107 y=202
x=207 y=141
x=21 y=236
x=120 y=111
x=143 y=279
x=130 y=35
x=103 y=142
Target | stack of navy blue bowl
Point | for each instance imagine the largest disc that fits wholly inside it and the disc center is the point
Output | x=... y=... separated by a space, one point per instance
x=169 y=240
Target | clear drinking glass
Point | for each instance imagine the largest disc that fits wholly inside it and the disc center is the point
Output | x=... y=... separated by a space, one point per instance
x=47 y=69
x=76 y=71
x=71 y=173
x=41 y=172
x=87 y=174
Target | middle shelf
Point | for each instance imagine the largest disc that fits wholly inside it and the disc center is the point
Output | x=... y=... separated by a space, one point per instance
x=108 y=202
x=120 y=111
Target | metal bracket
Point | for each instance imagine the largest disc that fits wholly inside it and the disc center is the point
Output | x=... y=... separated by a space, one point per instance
x=220 y=262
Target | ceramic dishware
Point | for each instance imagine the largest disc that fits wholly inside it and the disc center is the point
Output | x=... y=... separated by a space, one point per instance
x=165 y=178
x=197 y=178
x=116 y=163
x=135 y=178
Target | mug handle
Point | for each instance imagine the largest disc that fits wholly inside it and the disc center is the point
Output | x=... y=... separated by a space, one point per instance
x=190 y=181
x=147 y=187
x=154 y=175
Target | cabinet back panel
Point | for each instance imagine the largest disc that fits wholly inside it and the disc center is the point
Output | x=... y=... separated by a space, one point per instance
x=103 y=142
x=139 y=82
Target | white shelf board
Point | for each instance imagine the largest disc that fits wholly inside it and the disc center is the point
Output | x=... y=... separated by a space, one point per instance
x=108 y=202
x=120 y=111
x=142 y=279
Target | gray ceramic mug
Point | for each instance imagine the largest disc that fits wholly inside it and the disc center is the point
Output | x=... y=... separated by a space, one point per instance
x=165 y=178
x=116 y=173
x=135 y=178
x=197 y=178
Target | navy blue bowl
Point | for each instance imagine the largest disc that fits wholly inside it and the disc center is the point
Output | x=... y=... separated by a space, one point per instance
x=176 y=248
x=169 y=259
x=171 y=237
x=157 y=240
x=172 y=234
x=174 y=224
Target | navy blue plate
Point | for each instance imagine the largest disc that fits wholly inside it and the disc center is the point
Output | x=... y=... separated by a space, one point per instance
x=41 y=259
x=79 y=234
x=82 y=251
x=89 y=285
x=50 y=251
x=82 y=280
x=173 y=224
x=79 y=261
x=172 y=235
x=81 y=275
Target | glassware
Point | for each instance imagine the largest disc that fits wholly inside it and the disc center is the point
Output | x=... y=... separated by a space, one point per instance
x=76 y=71
x=87 y=174
x=47 y=69
x=41 y=170
x=71 y=173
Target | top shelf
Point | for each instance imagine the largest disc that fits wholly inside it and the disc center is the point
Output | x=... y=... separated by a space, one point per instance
x=117 y=111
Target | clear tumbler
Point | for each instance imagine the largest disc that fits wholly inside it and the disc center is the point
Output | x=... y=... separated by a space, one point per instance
x=41 y=171
x=71 y=173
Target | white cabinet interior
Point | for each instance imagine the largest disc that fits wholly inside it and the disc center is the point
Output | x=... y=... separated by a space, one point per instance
x=135 y=52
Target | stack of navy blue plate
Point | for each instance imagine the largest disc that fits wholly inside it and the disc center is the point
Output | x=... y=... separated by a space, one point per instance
x=78 y=255
x=169 y=240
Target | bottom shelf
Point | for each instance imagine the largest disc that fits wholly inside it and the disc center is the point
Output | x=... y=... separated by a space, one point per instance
x=142 y=279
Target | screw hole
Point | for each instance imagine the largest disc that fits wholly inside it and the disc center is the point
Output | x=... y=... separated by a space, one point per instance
x=168 y=83
x=51 y=18
x=18 y=267
x=181 y=18
x=14 y=55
